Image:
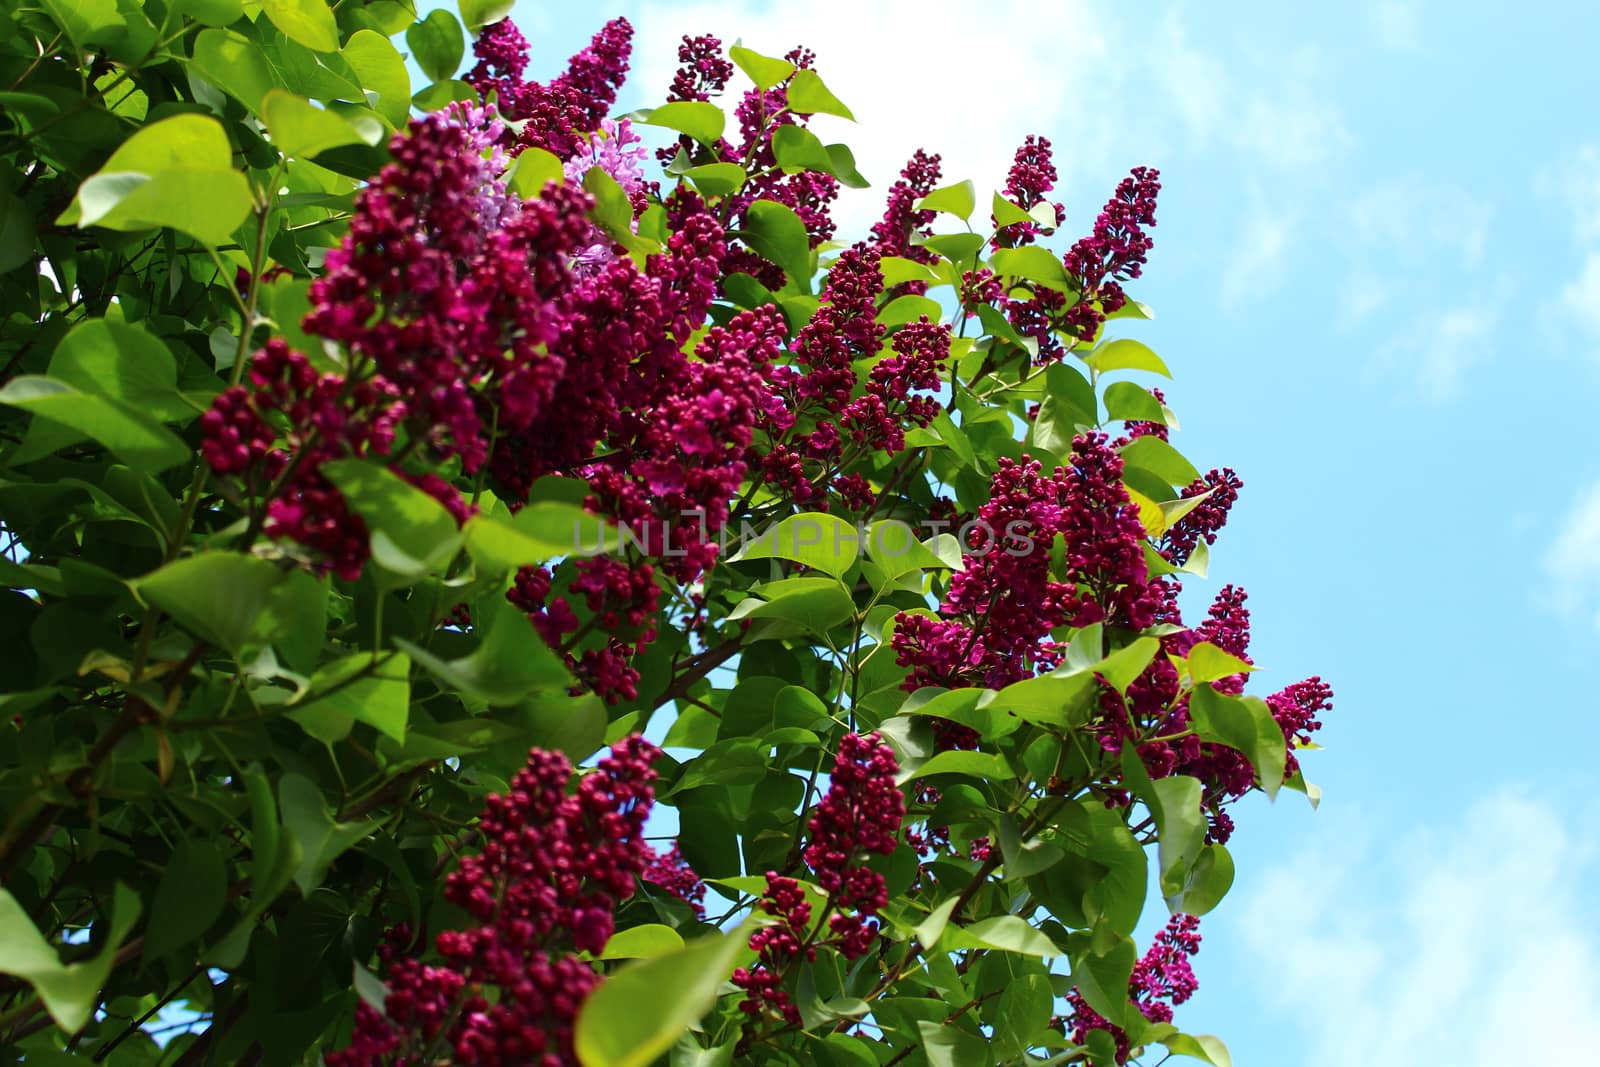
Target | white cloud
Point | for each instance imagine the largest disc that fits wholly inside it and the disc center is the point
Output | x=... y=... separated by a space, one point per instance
x=1403 y=236
x=1572 y=561
x=1577 y=181
x=1581 y=296
x=1398 y=24
x=1364 y=292
x=1462 y=945
x=1412 y=221
x=1439 y=347
x=1255 y=266
x=946 y=94
x=1108 y=90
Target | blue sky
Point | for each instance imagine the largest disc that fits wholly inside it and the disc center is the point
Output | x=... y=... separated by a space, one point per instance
x=1377 y=269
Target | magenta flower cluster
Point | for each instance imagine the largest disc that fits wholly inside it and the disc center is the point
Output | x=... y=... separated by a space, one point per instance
x=1162 y=978
x=995 y=623
x=860 y=816
x=553 y=867
x=557 y=116
x=821 y=424
x=1032 y=177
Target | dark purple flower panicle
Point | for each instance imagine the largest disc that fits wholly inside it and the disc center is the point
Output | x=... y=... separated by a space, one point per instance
x=1032 y=176
x=997 y=618
x=559 y=115
x=902 y=224
x=1162 y=978
x=1113 y=253
x=703 y=72
x=860 y=816
x=553 y=867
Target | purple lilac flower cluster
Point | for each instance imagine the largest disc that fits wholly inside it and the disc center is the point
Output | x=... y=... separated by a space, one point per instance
x=859 y=816
x=995 y=622
x=1032 y=176
x=1162 y=978
x=553 y=868
x=560 y=115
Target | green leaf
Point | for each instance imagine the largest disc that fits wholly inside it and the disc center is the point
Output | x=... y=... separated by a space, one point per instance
x=1125 y=400
x=437 y=44
x=1068 y=404
x=1313 y=793
x=1053 y=700
x=1207 y=663
x=985 y=766
x=1103 y=980
x=17 y=232
x=295 y=619
x=844 y=167
x=765 y=71
x=959 y=200
x=134 y=437
x=113 y=359
x=207 y=204
x=1245 y=724
x=809 y=96
x=534 y=169
x=810 y=604
x=701 y=120
x=480 y=13
x=1126 y=664
x=236 y=65
x=969 y=707
x=412 y=533
x=1124 y=354
x=717 y=179
x=1006 y=213
x=69 y=991
x=776 y=233
x=189 y=898
x=557 y=721
x=512 y=661
x=1109 y=876
x=1206 y=883
x=817 y=539
x=959 y=248
x=931 y=929
x=1158 y=457
x=308 y=22
x=948 y=1046
x=544 y=530
x=613 y=210
x=1023 y=1013
x=1008 y=933
x=369 y=687
x=894 y=547
x=1034 y=264
x=1025 y=858
x=441 y=95
x=1201 y=1047
x=216 y=594
x=382 y=71
x=322 y=840
x=182 y=141
x=211 y=12
x=909 y=308
x=797 y=148
x=302 y=130
x=642 y=942
x=639 y=1012
x=88 y=21
x=897 y=270
x=1180 y=822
